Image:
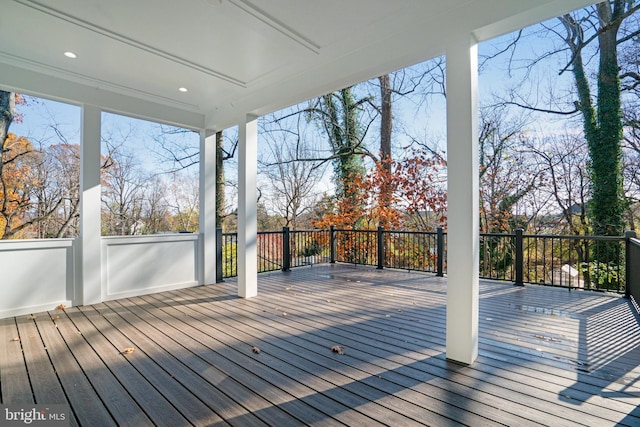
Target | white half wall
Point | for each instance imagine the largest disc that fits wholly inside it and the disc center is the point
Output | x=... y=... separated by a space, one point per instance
x=139 y=265
x=37 y=275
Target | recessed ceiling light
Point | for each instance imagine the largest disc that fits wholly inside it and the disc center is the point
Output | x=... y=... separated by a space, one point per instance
x=183 y=89
x=70 y=55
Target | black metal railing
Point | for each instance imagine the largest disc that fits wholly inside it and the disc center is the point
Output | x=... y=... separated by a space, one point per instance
x=356 y=246
x=633 y=268
x=406 y=250
x=587 y=262
x=277 y=250
x=308 y=247
x=226 y=254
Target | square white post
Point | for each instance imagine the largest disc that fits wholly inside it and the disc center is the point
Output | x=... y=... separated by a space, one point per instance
x=89 y=265
x=463 y=198
x=247 y=208
x=207 y=219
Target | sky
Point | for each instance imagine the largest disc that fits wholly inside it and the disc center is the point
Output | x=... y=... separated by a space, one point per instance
x=424 y=120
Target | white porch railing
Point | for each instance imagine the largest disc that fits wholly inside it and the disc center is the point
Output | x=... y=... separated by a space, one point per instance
x=39 y=275
x=138 y=265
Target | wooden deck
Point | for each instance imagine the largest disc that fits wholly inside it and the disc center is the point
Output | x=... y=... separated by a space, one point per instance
x=547 y=356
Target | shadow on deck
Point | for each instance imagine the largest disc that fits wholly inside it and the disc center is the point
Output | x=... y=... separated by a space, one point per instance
x=547 y=356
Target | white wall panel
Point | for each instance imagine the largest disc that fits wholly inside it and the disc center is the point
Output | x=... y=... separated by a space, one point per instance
x=37 y=275
x=138 y=265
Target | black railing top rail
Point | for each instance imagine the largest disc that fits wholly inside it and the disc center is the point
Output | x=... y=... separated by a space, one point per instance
x=423 y=233
x=558 y=236
x=233 y=233
x=573 y=237
x=350 y=230
x=269 y=232
x=497 y=235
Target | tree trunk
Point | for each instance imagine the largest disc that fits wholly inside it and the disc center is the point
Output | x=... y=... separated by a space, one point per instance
x=385 y=120
x=220 y=190
x=603 y=129
x=606 y=152
x=385 y=198
x=7 y=113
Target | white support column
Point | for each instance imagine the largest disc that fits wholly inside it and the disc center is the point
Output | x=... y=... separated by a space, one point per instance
x=207 y=208
x=463 y=198
x=247 y=208
x=89 y=266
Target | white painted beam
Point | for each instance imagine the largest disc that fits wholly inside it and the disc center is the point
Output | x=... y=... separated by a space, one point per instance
x=247 y=208
x=463 y=199
x=207 y=258
x=89 y=267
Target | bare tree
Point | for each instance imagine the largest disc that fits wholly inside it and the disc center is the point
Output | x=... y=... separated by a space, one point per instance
x=122 y=193
x=564 y=160
x=507 y=175
x=184 y=201
x=156 y=211
x=292 y=189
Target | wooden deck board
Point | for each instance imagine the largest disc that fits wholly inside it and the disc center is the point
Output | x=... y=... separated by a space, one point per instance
x=155 y=405
x=15 y=379
x=262 y=368
x=232 y=353
x=309 y=353
x=547 y=356
x=86 y=405
x=166 y=369
x=503 y=384
x=388 y=368
x=240 y=385
x=45 y=382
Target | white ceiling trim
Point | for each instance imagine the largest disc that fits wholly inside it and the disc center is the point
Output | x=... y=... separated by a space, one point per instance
x=91 y=81
x=128 y=41
x=61 y=89
x=273 y=23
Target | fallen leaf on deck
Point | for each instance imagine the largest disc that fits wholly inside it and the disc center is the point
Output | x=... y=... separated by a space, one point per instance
x=31 y=317
x=287 y=288
x=16 y=339
x=128 y=350
x=55 y=318
x=61 y=306
x=256 y=350
x=337 y=349
x=284 y=313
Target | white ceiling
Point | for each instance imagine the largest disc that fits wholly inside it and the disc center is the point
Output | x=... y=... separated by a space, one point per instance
x=235 y=57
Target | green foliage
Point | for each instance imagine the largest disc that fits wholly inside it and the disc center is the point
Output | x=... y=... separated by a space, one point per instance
x=604 y=276
x=230 y=260
x=339 y=114
x=312 y=249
